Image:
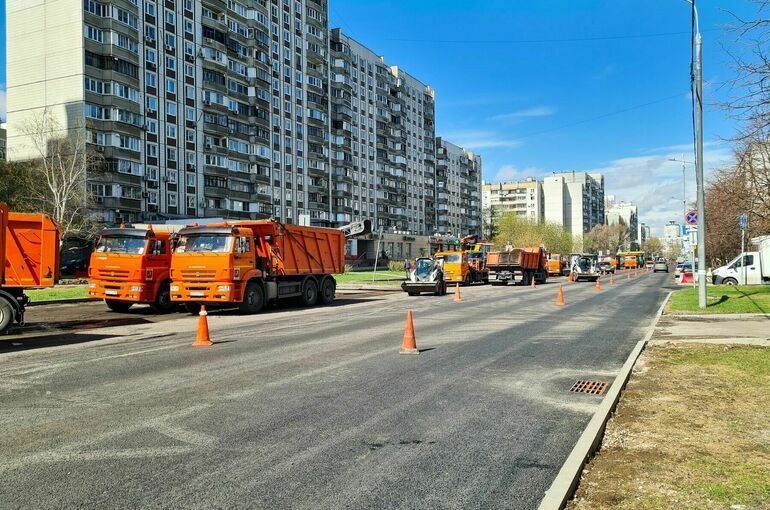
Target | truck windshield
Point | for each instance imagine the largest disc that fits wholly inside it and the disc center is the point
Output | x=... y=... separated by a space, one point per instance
x=454 y=258
x=122 y=244
x=205 y=243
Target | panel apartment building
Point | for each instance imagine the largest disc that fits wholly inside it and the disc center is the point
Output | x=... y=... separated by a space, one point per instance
x=236 y=109
x=458 y=190
x=523 y=198
x=574 y=200
x=383 y=141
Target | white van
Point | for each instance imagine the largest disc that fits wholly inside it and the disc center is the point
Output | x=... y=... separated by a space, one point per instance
x=748 y=268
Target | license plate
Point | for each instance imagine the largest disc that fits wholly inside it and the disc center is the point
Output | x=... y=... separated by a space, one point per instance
x=111 y=292
x=197 y=293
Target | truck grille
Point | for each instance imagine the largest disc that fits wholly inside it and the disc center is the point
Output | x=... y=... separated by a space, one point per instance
x=114 y=274
x=198 y=274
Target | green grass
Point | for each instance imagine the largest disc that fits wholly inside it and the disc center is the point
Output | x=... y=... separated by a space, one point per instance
x=366 y=277
x=64 y=292
x=723 y=299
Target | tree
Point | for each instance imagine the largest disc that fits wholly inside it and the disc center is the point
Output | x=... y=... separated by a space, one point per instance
x=652 y=246
x=57 y=178
x=15 y=185
x=606 y=238
x=521 y=232
x=490 y=220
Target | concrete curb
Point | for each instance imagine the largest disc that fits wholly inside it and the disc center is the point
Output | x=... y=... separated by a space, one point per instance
x=566 y=481
x=720 y=316
x=60 y=301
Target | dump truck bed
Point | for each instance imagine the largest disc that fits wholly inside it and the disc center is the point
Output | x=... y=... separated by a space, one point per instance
x=518 y=258
x=29 y=250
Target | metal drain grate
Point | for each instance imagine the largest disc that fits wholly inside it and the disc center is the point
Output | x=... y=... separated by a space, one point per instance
x=592 y=387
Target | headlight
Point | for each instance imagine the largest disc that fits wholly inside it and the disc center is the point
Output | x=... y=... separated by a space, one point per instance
x=136 y=288
x=174 y=288
x=223 y=288
x=459 y=278
x=92 y=285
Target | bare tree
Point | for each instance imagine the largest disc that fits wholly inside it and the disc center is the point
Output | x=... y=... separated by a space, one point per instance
x=652 y=246
x=58 y=177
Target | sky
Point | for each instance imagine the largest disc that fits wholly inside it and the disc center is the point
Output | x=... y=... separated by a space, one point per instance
x=560 y=85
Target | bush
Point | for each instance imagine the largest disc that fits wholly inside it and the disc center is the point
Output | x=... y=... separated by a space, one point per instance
x=396 y=266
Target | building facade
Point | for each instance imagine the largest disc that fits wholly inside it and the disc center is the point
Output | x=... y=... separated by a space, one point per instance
x=2 y=141
x=625 y=213
x=523 y=198
x=458 y=190
x=383 y=141
x=574 y=200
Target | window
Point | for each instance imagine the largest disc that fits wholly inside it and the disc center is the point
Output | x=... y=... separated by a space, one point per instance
x=152 y=150
x=171 y=130
x=170 y=63
x=149 y=8
x=150 y=32
x=151 y=173
x=171 y=155
x=93 y=33
x=94 y=7
x=170 y=86
x=152 y=104
x=190 y=179
x=170 y=41
x=170 y=17
x=172 y=199
x=171 y=108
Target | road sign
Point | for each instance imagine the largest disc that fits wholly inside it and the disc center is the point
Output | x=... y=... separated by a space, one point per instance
x=691 y=218
x=742 y=221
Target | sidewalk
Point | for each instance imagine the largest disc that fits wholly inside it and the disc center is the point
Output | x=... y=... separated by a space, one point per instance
x=692 y=429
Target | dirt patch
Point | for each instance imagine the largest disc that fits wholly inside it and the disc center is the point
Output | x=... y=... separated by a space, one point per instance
x=692 y=430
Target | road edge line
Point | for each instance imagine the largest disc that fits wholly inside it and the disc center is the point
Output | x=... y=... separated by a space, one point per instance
x=566 y=481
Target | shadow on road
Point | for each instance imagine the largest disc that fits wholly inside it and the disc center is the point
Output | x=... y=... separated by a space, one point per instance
x=38 y=342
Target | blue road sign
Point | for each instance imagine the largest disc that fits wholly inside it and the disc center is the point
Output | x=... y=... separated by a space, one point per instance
x=691 y=218
x=742 y=221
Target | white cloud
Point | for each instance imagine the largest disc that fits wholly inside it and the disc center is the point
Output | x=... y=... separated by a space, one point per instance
x=538 y=111
x=654 y=183
x=509 y=173
x=474 y=140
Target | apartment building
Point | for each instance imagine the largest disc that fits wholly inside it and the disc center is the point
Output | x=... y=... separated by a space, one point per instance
x=574 y=200
x=625 y=213
x=2 y=141
x=523 y=198
x=458 y=190
x=383 y=141
x=199 y=108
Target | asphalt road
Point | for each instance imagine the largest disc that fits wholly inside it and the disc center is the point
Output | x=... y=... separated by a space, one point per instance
x=315 y=408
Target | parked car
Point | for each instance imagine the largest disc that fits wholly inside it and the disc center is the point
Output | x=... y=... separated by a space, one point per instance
x=606 y=267
x=686 y=266
x=661 y=264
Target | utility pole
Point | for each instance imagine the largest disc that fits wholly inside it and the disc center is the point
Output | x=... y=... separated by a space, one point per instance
x=701 y=198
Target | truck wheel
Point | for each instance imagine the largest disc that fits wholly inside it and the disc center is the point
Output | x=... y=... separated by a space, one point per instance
x=193 y=308
x=6 y=315
x=118 y=306
x=727 y=281
x=328 y=291
x=309 y=292
x=163 y=302
x=253 y=299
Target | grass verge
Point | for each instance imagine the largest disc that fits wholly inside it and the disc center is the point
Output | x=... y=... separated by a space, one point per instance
x=692 y=431
x=723 y=299
x=54 y=293
x=381 y=278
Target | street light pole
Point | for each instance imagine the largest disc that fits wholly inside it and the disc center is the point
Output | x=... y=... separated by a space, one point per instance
x=701 y=198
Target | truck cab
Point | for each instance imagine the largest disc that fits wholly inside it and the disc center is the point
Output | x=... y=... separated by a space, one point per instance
x=132 y=265
x=456 y=267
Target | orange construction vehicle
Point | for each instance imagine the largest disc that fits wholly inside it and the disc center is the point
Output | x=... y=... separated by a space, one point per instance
x=528 y=263
x=29 y=258
x=557 y=265
x=133 y=265
x=251 y=263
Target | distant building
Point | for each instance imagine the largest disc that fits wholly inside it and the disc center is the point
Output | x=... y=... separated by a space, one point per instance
x=523 y=198
x=458 y=190
x=574 y=200
x=625 y=213
x=644 y=232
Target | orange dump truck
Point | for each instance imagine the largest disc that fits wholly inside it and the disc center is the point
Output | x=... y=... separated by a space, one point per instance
x=526 y=263
x=557 y=265
x=29 y=258
x=251 y=263
x=133 y=265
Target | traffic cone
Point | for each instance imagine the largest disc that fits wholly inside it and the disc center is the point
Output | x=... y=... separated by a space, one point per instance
x=458 y=298
x=408 y=344
x=202 y=338
x=533 y=283
x=628 y=275
x=598 y=286
x=636 y=272
x=612 y=279
x=571 y=279
x=560 y=296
